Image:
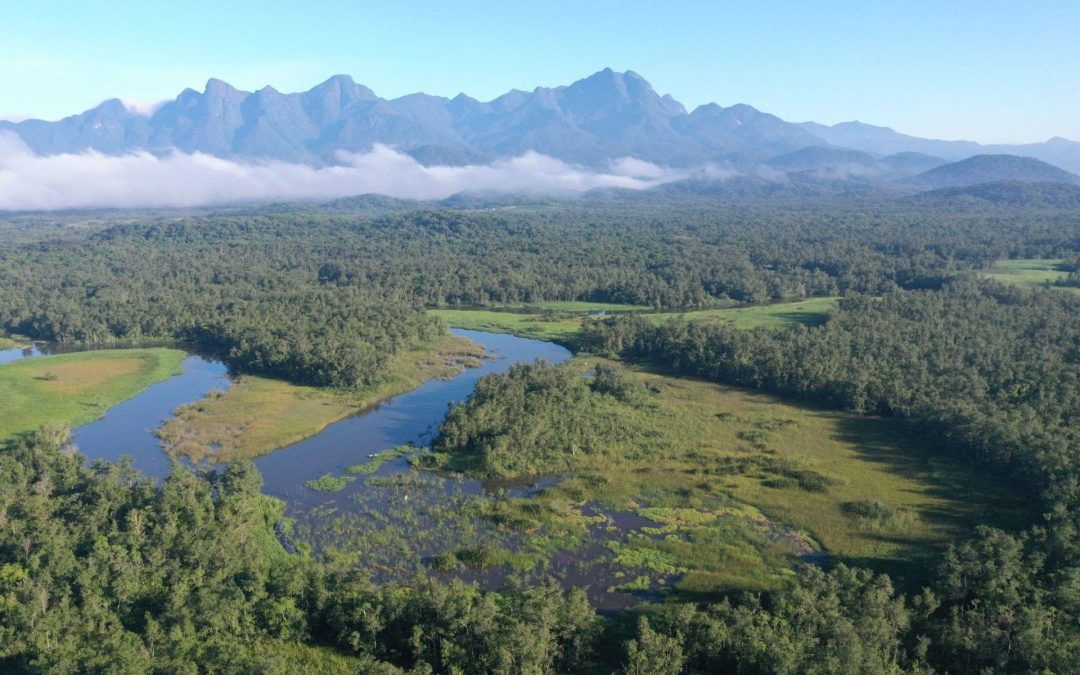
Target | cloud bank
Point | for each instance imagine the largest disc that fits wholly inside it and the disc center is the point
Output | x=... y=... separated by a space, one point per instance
x=92 y=180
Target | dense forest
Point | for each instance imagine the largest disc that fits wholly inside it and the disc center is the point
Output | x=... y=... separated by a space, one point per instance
x=102 y=570
x=325 y=298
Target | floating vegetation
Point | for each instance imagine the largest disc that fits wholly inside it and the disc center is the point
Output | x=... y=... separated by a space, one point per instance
x=328 y=482
x=378 y=459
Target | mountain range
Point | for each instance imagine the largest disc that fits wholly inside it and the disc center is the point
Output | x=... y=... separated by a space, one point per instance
x=592 y=122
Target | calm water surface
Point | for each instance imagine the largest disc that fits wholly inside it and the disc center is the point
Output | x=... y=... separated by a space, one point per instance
x=409 y=418
x=16 y=353
x=127 y=429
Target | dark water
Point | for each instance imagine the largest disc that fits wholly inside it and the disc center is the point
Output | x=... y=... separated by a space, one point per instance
x=128 y=428
x=409 y=418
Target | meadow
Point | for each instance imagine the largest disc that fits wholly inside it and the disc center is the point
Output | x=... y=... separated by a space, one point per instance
x=1028 y=272
x=689 y=490
x=743 y=484
x=561 y=321
x=560 y=328
x=10 y=343
x=74 y=389
x=809 y=312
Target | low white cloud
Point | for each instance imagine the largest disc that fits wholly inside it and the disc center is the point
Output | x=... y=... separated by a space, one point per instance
x=144 y=108
x=631 y=166
x=91 y=179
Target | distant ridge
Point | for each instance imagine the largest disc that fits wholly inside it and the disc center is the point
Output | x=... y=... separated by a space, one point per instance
x=1013 y=194
x=606 y=116
x=992 y=169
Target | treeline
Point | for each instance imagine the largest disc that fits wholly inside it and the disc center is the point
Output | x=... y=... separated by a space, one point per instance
x=102 y=570
x=250 y=301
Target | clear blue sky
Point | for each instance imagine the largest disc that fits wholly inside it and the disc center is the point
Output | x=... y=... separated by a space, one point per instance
x=984 y=70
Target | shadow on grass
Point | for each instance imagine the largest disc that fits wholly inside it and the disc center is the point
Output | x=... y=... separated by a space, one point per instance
x=966 y=493
x=805 y=318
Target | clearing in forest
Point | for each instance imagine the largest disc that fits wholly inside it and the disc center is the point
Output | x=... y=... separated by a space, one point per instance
x=1028 y=271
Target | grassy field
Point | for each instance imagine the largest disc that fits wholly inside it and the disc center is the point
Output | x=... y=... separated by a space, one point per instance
x=561 y=329
x=577 y=306
x=258 y=415
x=561 y=322
x=1028 y=272
x=810 y=312
x=77 y=388
x=743 y=483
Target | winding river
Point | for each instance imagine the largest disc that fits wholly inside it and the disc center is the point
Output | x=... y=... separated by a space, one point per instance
x=127 y=429
x=409 y=418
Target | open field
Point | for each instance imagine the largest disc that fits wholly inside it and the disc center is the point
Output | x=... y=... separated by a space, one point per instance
x=74 y=389
x=561 y=329
x=577 y=306
x=558 y=322
x=810 y=312
x=1028 y=272
x=9 y=343
x=258 y=415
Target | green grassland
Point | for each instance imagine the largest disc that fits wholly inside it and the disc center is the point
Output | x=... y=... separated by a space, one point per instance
x=561 y=322
x=258 y=414
x=575 y=306
x=558 y=328
x=743 y=485
x=1028 y=272
x=74 y=389
x=810 y=312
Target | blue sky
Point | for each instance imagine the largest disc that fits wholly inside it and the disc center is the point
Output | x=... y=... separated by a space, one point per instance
x=989 y=71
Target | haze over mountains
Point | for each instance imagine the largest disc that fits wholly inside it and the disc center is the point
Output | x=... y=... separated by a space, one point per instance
x=612 y=125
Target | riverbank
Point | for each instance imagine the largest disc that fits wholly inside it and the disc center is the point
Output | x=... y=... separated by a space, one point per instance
x=74 y=389
x=7 y=342
x=258 y=415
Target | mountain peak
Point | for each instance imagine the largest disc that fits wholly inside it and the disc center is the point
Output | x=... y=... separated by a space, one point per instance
x=602 y=117
x=339 y=80
x=216 y=88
